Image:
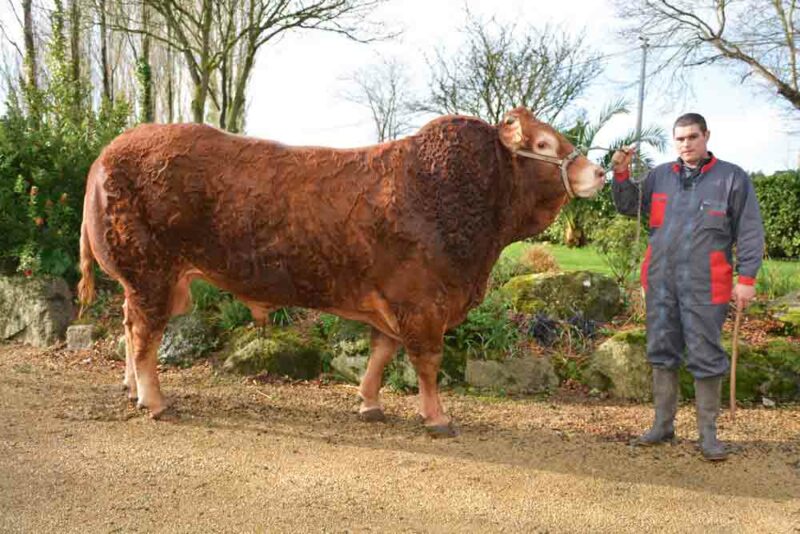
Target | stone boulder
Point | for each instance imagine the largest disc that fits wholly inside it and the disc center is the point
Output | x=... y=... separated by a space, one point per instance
x=36 y=311
x=350 y=368
x=619 y=366
x=80 y=336
x=280 y=352
x=186 y=339
x=350 y=358
x=529 y=374
x=786 y=309
x=564 y=295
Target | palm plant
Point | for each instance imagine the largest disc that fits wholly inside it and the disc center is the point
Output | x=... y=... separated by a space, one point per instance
x=576 y=214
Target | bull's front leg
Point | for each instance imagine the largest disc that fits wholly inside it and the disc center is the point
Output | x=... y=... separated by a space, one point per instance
x=437 y=422
x=383 y=349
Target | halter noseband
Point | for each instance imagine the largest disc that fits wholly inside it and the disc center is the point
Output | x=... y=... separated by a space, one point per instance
x=562 y=163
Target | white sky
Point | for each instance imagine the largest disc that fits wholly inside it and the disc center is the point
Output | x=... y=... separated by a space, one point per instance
x=296 y=91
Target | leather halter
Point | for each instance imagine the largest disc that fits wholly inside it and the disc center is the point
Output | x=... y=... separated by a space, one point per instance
x=562 y=163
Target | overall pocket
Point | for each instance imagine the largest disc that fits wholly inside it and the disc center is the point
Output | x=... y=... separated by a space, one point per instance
x=721 y=278
x=658 y=207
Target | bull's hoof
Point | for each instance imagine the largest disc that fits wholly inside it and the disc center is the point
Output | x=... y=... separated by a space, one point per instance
x=372 y=415
x=442 y=431
x=167 y=413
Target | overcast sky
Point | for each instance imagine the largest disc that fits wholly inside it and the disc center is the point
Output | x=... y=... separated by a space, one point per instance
x=296 y=94
x=296 y=90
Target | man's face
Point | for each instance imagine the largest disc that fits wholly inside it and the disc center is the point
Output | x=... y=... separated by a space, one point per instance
x=690 y=143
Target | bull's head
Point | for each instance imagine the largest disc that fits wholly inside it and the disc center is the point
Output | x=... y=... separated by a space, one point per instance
x=556 y=160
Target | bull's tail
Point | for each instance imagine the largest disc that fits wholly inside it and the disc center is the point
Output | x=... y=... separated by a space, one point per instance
x=86 y=285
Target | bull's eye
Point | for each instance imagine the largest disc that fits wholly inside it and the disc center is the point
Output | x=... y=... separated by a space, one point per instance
x=511 y=120
x=541 y=145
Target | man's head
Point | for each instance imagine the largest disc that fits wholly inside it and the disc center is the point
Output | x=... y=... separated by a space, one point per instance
x=691 y=134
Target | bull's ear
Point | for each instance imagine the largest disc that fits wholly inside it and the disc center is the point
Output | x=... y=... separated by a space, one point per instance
x=510 y=130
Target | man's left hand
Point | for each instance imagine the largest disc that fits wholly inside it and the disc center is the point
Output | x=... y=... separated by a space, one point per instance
x=743 y=294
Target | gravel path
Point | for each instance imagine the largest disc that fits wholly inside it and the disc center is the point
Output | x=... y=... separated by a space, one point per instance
x=244 y=457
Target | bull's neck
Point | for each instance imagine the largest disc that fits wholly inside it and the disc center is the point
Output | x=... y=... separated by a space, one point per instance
x=533 y=207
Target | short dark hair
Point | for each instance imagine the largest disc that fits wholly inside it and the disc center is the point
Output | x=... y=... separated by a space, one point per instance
x=687 y=119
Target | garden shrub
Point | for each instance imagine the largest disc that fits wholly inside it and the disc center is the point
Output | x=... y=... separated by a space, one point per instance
x=779 y=200
x=616 y=244
x=537 y=259
x=488 y=332
x=49 y=138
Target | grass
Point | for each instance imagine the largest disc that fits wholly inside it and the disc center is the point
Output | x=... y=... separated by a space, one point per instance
x=568 y=259
x=776 y=277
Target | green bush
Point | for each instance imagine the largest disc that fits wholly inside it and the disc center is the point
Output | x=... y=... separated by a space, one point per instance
x=579 y=220
x=505 y=269
x=487 y=333
x=49 y=138
x=775 y=282
x=205 y=297
x=233 y=314
x=779 y=200
x=616 y=243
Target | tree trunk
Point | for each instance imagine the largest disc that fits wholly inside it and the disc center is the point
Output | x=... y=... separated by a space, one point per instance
x=30 y=47
x=108 y=90
x=146 y=104
x=170 y=82
x=75 y=54
x=201 y=80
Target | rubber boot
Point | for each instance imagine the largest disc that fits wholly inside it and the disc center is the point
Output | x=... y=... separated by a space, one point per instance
x=707 y=396
x=665 y=399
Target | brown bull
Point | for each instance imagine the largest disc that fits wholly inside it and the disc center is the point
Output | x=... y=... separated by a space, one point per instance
x=401 y=235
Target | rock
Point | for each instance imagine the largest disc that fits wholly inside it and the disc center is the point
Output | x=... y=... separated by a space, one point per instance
x=350 y=356
x=350 y=368
x=119 y=352
x=528 y=374
x=786 y=309
x=80 y=336
x=186 y=339
x=619 y=366
x=280 y=352
x=565 y=295
x=36 y=311
x=400 y=375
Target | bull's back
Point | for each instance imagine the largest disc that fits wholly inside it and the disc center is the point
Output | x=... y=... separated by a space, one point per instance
x=282 y=224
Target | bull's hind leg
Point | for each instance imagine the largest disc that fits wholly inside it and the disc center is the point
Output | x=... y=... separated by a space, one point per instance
x=129 y=382
x=145 y=322
x=383 y=350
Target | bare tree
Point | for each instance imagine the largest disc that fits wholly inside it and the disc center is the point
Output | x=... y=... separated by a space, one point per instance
x=144 y=70
x=500 y=67
x=758 y=36
x=102 y=14
x=219 y=40
x=383 y=88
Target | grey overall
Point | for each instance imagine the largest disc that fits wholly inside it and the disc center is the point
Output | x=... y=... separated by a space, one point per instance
x=687 y=272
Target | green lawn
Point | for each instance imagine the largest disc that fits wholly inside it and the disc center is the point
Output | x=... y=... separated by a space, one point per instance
x=569 y=259
x=776 y=276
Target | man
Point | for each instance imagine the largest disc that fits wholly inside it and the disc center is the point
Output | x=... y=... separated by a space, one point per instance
x=699 y=208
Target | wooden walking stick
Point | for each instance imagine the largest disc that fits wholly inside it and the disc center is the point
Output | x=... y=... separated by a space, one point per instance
x=735 y=356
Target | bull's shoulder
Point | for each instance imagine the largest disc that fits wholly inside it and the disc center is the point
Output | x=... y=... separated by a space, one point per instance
x=453 y=123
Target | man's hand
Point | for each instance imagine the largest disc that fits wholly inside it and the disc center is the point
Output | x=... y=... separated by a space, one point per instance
x=621 y=160
x=743 y=294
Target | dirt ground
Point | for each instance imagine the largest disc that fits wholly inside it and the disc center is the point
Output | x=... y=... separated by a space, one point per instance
x=246 y=456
